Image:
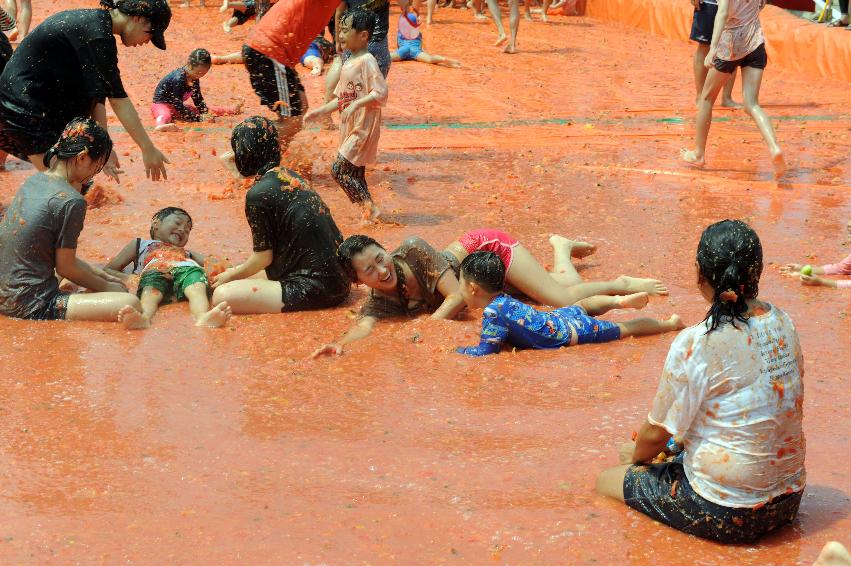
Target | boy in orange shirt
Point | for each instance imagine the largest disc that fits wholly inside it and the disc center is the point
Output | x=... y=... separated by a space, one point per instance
x=360 y=94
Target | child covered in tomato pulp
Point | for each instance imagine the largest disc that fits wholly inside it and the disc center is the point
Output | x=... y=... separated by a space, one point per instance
x=360 y=94
x=169 y=270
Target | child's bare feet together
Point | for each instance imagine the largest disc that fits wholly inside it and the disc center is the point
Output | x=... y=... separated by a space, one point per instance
x=634 y=301
x=216 y=317
x=577 y=248
x=132 y=319
x=640 y=285
x=502 y=39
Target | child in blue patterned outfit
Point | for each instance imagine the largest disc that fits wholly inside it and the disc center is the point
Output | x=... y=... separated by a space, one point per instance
x=506 y=319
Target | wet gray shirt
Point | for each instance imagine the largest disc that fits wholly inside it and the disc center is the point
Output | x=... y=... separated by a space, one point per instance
x=45 y=215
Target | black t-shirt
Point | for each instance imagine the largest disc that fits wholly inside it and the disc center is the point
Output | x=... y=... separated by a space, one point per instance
x=62 y=68
x=381 y=8
x=288 y=217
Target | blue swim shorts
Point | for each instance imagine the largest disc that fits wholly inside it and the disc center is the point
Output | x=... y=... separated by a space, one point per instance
x=409 y=49
x=589 y=330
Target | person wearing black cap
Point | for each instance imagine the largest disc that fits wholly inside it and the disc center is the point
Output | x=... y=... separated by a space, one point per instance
x=67 y=67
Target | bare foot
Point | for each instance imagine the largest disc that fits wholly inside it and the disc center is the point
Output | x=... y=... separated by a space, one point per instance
x=224 y=7
x=226 y=27
x=510 y=49
x=833 y=554
x=639 y=285
x=170 y=127
x=577 y=249
x=676 y=322
x=502 y=39
x=730 y=103
x=634 y=301
x=216 y=317
x=132 y=319
x=779 y=164
x=690 y=156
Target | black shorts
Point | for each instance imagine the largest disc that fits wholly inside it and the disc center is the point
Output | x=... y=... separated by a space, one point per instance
x=263 y=76
x=703 y=23
x=662 y=492
x=303 y=293
x=757 y=59
x=245 y=15
x=55 y=309
x=23 y=142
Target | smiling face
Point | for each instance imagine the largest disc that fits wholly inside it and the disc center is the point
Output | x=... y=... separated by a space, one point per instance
x=374 y=268
x=173 y=229
x=136 y=32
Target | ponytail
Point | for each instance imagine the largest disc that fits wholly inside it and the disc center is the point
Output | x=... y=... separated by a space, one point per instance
x=729 y=257
x=80 y=135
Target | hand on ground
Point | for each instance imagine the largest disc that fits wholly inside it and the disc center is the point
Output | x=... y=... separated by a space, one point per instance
x=327 y=350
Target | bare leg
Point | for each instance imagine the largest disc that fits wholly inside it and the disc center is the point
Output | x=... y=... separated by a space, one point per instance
x=715 y=81
x=437 y=60
x=514 y=23
x=105 y=307
x=833 y=554
x=25 y=17
x=544 y=9
x=601 y=304
x=700 y=70
x=395 y=57
x=527 y=10
x=228 y=24
x=430 y=10
x=251 y=296
x=151 y=299
x=200 y=309
x=610 y=482
x=649 y=326
x=229 y=59
x=496 y=14
x=751 y=81
x=727 y=94
x=563 y=250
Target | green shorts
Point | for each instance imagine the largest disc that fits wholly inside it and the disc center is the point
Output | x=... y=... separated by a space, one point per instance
x=175 y=280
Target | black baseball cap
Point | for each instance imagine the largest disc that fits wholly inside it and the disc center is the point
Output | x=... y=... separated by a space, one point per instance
x=157 y=12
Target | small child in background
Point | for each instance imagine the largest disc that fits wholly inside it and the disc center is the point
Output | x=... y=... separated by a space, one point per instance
x=321 y=51
x=178 y=86
x=809 y=274
x=359 y=95
x=242 y=12
x=506 y=319
x=168 y=269
x=410 y=40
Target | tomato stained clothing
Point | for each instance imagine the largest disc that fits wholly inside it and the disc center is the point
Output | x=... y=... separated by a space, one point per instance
x=428 y=266
x=359 y=134
x=289 y=218
x=506 y=319
x=65 y=66
x=286 y=31
x=162 y=256
x=735 y=396
x=742 y=34
x=46 y=214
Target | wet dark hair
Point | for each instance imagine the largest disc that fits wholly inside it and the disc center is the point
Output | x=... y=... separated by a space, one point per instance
x=81 y=134
x=484 y=269
x=361 y=20
x=200 y=58
x=255 y=146
x=164 y=213
x=729 y=256
x=352 y=246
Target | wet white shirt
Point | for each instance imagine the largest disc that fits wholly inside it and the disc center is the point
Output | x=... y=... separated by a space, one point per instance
x=734 y=397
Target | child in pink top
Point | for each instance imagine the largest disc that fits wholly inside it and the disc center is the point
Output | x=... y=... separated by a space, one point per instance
x=360 y=94
x=812 y=277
